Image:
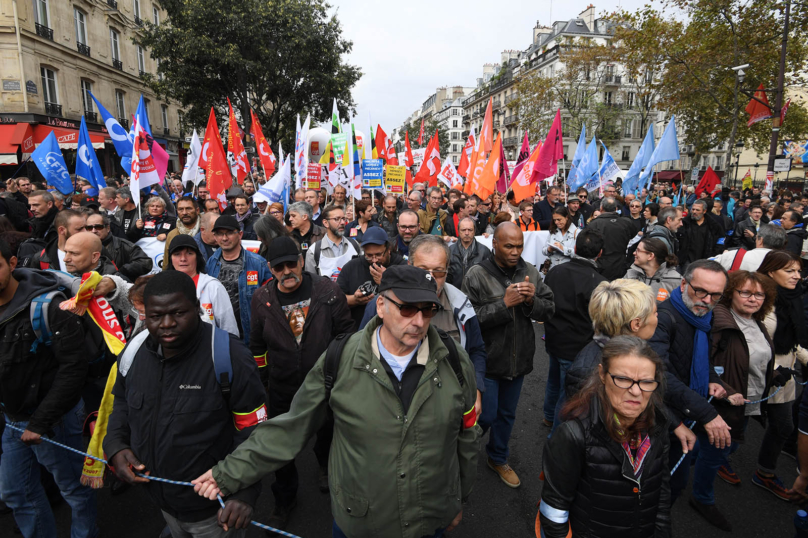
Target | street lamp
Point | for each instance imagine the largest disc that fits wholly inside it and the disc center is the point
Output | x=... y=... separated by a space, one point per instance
x=739 y=147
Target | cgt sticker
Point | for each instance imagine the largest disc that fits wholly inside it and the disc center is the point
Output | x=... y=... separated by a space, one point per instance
x=207 y=308
x=252 y=278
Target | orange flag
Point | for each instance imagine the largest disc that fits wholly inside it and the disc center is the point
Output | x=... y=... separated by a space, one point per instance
x=217 y=171
x=430 y=168
x=487 y=182
x=236 y=156
x=522 y=185
x=408 y=160
x=758 y=111
x=268 y=159
x=487 y=129
x=484 y=146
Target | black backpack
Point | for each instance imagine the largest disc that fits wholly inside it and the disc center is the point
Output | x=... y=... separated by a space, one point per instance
x=333 y=355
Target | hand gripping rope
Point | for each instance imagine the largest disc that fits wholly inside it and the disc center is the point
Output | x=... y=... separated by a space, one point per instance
x=155 y=479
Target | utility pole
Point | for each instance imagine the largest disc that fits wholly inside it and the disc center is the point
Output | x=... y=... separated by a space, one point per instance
x=778 y=103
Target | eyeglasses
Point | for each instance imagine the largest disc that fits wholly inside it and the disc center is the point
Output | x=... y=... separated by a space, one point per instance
x=374 y=257
x=646 y=385
x=91 y=227
x=285 y=265
x=582 y=197
x=702 y=293
x=408 y=310
x=219 y=233
x=486 y=204
x=436 y=273
x=276 y=212
x=746 y=294
x=407 y=227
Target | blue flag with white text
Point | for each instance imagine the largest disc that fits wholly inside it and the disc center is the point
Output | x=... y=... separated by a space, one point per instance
x=120 y=138
x=51 y=164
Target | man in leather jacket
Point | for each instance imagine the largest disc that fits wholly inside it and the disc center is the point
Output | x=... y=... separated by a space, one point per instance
x=129 y=258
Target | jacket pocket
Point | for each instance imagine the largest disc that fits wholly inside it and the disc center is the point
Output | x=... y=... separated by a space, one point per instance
x=351 y=505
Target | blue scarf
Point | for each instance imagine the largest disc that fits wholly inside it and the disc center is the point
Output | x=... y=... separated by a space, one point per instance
x=700 y=365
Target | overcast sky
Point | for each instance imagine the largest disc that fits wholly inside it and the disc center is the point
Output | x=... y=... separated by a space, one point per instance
x=408 y=49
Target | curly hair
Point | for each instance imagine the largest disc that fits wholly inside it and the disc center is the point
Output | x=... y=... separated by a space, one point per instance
x=738 y=279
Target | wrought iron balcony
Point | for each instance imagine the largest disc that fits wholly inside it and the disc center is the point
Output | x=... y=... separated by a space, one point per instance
x=83 y=49
x=138 y=21
x=124 y=123
x=91 y=116
x=166 y=131
x=142 y=73
x=496 y=124
x=510 y=98
x=117 y=64
x=53 y=109
x=510 y=120
x=113 y=4
x=497 y=104
x=511 y=141
x=43 y=31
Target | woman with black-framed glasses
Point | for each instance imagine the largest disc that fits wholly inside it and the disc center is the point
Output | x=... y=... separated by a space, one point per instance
x=606 y=467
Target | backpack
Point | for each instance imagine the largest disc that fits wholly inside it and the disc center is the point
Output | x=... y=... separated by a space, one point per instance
x=333 y=355
x=220 y=350
x=38 y=312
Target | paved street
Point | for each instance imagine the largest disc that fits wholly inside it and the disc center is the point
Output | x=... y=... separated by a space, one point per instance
x=493 y=510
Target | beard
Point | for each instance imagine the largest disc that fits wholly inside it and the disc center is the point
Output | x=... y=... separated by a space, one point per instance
x=691 y=304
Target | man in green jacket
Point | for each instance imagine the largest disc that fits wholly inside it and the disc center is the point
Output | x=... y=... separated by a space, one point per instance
x=406 y=439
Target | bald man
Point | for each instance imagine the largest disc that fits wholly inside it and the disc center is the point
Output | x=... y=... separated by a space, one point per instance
x=83 y=254
x=507 y=294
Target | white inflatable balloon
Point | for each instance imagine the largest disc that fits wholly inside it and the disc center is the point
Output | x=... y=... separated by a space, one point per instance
x=318 y=142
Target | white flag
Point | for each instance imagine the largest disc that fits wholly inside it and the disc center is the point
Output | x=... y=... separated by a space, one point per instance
x=190 y=171
x=448 y=174
x=302 y=152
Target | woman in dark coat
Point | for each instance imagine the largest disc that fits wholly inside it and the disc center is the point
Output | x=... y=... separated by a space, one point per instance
x=606 y=468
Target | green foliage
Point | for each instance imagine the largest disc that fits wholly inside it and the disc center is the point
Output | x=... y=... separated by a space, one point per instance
x=276 y=57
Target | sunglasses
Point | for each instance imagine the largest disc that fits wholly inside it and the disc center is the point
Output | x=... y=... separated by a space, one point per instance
x=408 y=310
x=91 y=227
x=284 y=265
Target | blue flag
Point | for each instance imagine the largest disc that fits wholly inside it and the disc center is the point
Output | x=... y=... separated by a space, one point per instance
x=588 y=166
x=48 y=158
x=631 y=183
x=119 y=136
x=87 y=166
x=667 y=150
x=579 y=154
x=142 y=118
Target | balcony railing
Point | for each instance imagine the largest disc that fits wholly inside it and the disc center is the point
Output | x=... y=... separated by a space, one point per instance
x=496 y=124
x=113 y=4
x=613 y=80
x=510 y=120
x=511 y=141
x=43 y=31
x=142 y=73
x=138 y=21
x=91 y=116
x=117 y=64
x=510 y=98
x=83 y=49
x=53 y=109
x=124 y=123
x=497 y=104
x=166 y=131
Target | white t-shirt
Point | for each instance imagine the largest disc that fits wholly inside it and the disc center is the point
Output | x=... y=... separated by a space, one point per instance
x=62 y=260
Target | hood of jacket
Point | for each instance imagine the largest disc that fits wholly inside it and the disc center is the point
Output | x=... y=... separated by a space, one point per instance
x=32 y=283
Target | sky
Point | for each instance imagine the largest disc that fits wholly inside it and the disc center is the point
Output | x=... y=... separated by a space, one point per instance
x=410 y=48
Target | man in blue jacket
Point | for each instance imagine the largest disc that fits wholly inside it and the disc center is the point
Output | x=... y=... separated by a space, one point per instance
x=240 y=271
x=457 y=319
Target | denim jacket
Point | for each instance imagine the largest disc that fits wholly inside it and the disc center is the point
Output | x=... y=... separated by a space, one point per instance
x=253 y=263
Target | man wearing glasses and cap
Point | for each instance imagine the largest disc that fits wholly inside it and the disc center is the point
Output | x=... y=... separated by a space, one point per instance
x=404 y=453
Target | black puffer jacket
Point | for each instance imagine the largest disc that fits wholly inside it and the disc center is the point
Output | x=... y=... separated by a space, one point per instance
x=129 y=258
x=617 y=232
x=584 y=364
x=507 y=332
x=588 y=476
x=673 y=342
x=795 y=237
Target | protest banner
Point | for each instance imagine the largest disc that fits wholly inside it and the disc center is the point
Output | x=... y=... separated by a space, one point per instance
x=373 y=174
x=314 y=175
x=394 y=182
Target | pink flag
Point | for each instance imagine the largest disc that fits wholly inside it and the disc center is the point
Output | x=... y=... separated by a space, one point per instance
x=158 y=154
x=524 y=153
x=551 y=152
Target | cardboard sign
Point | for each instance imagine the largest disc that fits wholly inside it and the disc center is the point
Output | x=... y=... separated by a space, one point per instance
x=394 y=182
x=373 y=174
x=314 y=175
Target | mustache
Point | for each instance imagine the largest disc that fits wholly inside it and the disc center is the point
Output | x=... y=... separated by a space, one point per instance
x=290 y=276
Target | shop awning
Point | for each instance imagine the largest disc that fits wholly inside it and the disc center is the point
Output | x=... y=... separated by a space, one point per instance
x=8 y=150
x=67 y=138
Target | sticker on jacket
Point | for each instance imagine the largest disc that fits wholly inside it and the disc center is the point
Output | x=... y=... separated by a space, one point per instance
x=662 y=294
x=207 y=308
x=252 y=278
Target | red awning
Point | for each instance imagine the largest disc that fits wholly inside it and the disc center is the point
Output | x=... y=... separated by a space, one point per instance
x=8 y=149
x=23 y=136
x=67 y=138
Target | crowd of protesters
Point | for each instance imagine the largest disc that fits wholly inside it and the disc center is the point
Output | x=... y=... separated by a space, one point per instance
x=385 y=329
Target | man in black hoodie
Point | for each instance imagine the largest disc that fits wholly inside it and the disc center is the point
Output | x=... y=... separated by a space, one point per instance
x=50 y=252
x=40 y=392
x=44 y=211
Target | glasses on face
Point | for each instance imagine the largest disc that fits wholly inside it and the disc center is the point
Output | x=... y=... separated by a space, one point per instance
x=702 y=293
x=486 y=204
x=221 y=233
x=408 y=310
x=285 y=265
x=276 y=212
x=373 y=257
x=746 y=294
x=91 y=227
x=646 y=385
x=437 y=273
x=582 y=197
x=401 y=226
x=338 y=219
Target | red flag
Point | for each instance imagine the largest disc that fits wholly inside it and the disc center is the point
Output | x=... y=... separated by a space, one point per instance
x=524 y=153
x=758 y=111
x=504 y=173
x=484 y=145
x=392 y=156
x=236 y=156
x=783 y=112
x=381 y=143
x=465 y=159
x=217 y=170
x=421 y=134
x=552 y=151
x=708 y=182
x=408 y=160
x=430 y=168
x=262 y=146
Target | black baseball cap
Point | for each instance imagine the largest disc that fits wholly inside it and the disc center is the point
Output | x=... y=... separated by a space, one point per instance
x=410 y=284
x=227 y=222
x=282 y=249
x=183 y=241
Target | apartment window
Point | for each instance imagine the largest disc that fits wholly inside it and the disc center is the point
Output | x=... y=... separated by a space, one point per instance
x=41 y=12
x=155 y=15
x=630 y=100
x=607 y=97
x=627 y=128
x=115 y=40
x=454 y=112
x=164 y=112
x=454 y=148
x=81 y=26
x=626 y=152
x=454 y=160
x=49 y=93
x=719 y=162
x=136 y=7
x=454 y=123
x=121 y=104
x=86 y=100
x=636 y=129
x=141 y=59
x=455 y=136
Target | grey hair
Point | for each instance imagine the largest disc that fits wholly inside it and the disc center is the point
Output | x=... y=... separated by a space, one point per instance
x=773 y=237
x=301 y=208
x=665 y=214
x=428 y=241
x=707 y=265
x=57 y=196
x=702 y=203
x=46 y=196
x=434 y=189
x=109 y=191
x=104 y=217
x=608 y=204
x=416 y=193
x=156 y=199
x=125 y=193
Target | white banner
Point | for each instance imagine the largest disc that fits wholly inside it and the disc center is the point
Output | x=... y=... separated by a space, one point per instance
x=155 y=250
x=534 y=242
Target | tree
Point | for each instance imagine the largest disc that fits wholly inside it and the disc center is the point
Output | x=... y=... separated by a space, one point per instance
x=698 y=52
x=278 y=58
x=430 y=125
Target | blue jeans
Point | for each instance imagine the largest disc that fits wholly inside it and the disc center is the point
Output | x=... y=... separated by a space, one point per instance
x=19 y=479
x=708 y=460
x=500 y=399
x=336 y=532
x=556 y=376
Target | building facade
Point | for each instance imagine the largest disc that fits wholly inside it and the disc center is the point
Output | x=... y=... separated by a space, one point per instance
x=53 y=53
